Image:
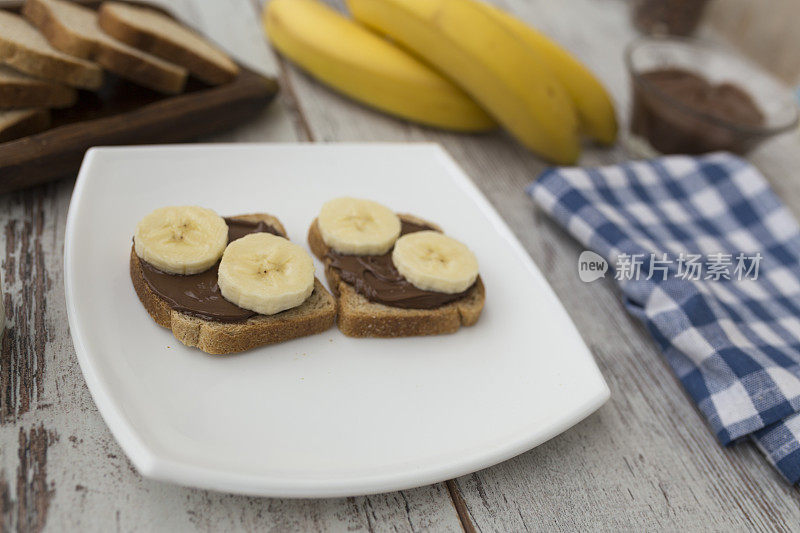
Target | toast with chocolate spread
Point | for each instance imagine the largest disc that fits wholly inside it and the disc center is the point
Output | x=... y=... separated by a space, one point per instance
x=193 y=307
x=375 y=300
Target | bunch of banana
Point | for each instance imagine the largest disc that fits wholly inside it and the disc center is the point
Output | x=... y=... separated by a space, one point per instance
x=526 y=82
x=368 y=68
x=596 y=115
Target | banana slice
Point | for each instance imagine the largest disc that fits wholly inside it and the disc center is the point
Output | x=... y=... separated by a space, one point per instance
x=265 y=273
x=358 y=227
x=181 y=239
x=432 y=261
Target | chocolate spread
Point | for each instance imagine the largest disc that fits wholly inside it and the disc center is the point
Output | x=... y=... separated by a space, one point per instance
x=679 y=111
x=376 y=278
x=673 y=17
x=198 y=294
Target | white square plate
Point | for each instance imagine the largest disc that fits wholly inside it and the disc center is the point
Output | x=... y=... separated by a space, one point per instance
x=324 y=415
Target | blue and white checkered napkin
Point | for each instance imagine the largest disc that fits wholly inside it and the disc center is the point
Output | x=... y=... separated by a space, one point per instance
x=730 y=325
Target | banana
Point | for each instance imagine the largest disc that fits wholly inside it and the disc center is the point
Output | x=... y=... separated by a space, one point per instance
x=432 y=261
x=265 y=273
x=490 y=63
x=367 y=67
x=596 y=115
x=358 y=227
x=181 y=239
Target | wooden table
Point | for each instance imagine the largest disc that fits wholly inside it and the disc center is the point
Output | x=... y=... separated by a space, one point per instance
x=646 y=460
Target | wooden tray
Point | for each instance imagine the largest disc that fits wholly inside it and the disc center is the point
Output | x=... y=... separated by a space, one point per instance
x=124 y=113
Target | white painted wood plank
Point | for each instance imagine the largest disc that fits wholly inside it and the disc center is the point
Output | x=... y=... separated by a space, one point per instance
x=60 y=468
x=235 y=25
x=645 y=460
x=766 y=35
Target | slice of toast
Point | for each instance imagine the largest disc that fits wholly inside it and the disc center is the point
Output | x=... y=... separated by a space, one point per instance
x=315 y=315
x=158 y=34
x=18 y=90
x=359 y=317
x=73 y=29
x=21 y=122
x=26 y=50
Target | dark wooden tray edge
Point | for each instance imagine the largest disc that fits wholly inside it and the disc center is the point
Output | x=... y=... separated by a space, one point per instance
x=58 y=152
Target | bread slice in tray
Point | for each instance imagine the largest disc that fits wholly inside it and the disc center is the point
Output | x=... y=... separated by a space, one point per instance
x=18 y=90
x=360 y=317
x=314 y=315
x=26 y=50
x=158 y=34
x=73 y=29
x=17 y=123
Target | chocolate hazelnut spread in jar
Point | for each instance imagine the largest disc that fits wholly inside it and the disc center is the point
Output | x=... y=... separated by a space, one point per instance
x=668 y=17
x=689 y=97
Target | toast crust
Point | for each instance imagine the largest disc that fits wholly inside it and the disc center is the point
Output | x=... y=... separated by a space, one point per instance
x=139 y=67
x=213 y=72
x=21 y=122
x=18 y=91
x=150 y=74
x=359 y=317
x=50 y=65
x=60 y=37
x=315 y=315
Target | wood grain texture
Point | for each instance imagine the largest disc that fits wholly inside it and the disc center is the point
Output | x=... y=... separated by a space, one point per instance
x=121 y=112
x=35 y=343
x=60 y=468
x=765 y=35
x=645 y=461
x=58 y=152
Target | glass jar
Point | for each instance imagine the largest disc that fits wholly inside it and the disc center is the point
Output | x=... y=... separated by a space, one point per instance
x=665 y=121
x=668 y=17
